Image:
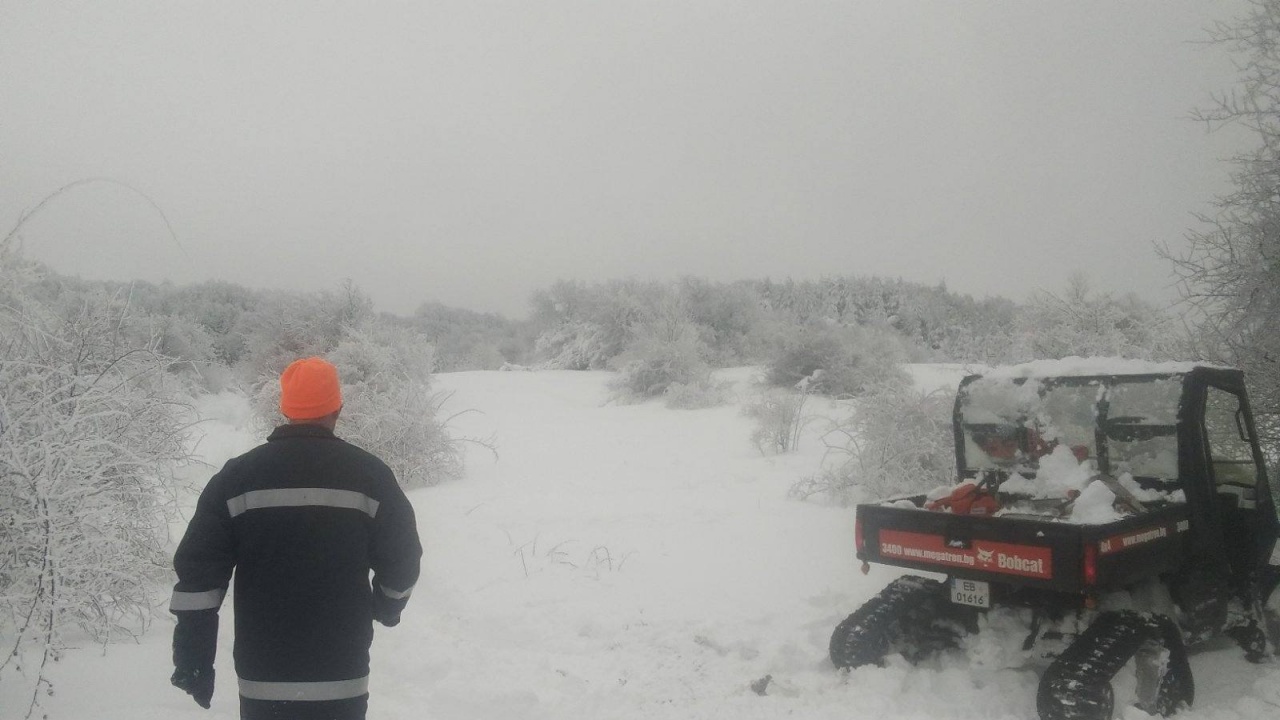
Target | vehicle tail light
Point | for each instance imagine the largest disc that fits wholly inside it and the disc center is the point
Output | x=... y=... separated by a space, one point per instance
x=1090 y=564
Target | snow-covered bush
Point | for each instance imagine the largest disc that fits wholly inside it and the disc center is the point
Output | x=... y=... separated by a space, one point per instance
x=218 y=308
x=400 y=426
x=467 y=340
x=573 y=346
x=779 y=416
x=182 y=339
x=837 y=361
x=730 y=320
x=283 y=327
x=809 y=351
x=1082 y=322
x=586 y=327
x=667 y=349
x=897 y=440
x=378 y=356
x=697 y=395
x=750 y=322
x=90 y=433
x=388 y=407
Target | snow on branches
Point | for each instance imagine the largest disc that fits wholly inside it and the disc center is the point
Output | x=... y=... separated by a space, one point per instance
x=89 y=438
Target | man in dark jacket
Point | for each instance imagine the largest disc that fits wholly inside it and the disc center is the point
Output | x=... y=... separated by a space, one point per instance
x=302 y=520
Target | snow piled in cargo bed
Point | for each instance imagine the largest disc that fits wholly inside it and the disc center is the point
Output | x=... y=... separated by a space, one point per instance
x=1060 y=474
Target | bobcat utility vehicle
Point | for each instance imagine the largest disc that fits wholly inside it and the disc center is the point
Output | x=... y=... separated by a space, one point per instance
x=1118 y=510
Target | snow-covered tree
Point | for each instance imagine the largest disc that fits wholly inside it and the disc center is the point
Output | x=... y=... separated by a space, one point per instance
x=468 y=340
x=896 y=440
x=836 y=360
x=666 y=350
x=388 y=406
x=1082 y=322
x=585 y=327
x=1230 y=269
x=286 y=326
x=90 y=433
x=729 y=318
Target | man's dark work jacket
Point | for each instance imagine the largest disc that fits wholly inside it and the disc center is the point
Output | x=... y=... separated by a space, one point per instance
x=302 y=520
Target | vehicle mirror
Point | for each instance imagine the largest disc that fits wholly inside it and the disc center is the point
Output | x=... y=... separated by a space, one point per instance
x=1240 y=428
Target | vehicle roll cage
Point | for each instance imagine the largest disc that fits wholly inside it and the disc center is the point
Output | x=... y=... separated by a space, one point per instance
x=1194 y=459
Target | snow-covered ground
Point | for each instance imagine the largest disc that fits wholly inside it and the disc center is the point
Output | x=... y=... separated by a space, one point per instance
x=621 y=561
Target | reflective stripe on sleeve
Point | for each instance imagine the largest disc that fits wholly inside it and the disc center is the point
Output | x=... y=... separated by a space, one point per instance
x=395 y=594
x=302 y=497
x=304 y=691
x=205 y=600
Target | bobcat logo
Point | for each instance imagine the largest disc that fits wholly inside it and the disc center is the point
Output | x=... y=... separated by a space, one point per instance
x=985 y=556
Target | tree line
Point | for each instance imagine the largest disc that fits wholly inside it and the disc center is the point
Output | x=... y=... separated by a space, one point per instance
x=227 y=334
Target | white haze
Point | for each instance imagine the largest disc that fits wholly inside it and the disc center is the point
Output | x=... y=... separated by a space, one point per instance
x=471 y=153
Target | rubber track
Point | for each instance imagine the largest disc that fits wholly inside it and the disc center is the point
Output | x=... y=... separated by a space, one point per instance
x=1077 y=686
x=881 y=625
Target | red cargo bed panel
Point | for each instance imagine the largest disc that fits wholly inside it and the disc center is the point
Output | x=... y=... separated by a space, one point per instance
x=985 y=555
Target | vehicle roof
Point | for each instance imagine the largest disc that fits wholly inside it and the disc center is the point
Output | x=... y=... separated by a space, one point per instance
x=1095 y=367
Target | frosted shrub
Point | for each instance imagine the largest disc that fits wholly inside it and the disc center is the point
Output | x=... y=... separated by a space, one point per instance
x=779 y=416
x=183 y=339
x=729 y=317
x=837 y=361
x=898 y=440
x=284 y=327
x=573 y=346
x=89 y=437
x=388 y=407
x=467 y=340
x=802 y=355
x=86 y=460
x=400 y=426
x=379 y=357
x=665 y=351
x=1082 y=322
x=697 y=395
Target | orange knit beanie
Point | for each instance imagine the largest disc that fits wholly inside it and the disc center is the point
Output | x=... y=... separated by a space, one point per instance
x=309 y=389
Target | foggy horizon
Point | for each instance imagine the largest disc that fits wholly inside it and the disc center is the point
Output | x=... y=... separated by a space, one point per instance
x=471 y=155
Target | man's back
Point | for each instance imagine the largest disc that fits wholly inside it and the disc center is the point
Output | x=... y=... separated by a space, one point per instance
x=301 y=519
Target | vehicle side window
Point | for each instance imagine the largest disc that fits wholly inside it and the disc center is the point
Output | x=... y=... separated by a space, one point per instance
x=1230 y=452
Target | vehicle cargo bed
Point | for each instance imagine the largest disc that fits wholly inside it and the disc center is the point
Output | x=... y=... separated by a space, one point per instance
x=1029 y=551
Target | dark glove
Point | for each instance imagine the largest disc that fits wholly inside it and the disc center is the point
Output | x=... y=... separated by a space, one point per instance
x=196 y=682
x=386 y=610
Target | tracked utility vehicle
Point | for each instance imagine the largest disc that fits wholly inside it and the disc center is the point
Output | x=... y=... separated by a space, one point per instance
x=1119 y=512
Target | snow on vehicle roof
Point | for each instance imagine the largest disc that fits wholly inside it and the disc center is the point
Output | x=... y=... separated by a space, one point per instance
x=1092 y=366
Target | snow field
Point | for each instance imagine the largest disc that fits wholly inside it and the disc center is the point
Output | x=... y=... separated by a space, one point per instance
x=604 y=570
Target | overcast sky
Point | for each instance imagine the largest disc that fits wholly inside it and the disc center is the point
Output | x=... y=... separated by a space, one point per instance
x=472 y=152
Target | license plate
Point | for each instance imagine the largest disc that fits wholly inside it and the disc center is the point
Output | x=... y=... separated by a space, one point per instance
x=975 y=593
